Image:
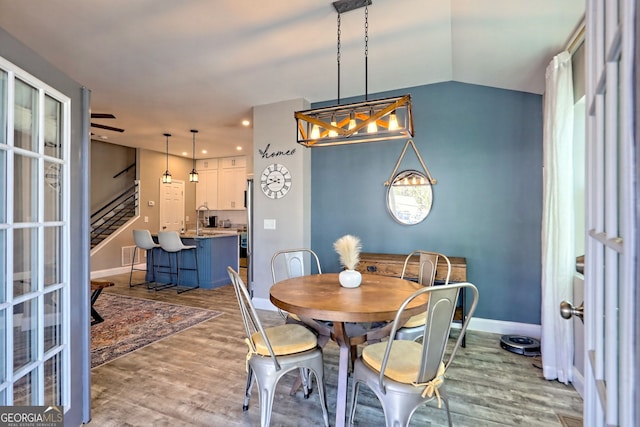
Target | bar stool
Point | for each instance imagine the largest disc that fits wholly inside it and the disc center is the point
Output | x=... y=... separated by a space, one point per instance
x=171 y=243
x=143 y=240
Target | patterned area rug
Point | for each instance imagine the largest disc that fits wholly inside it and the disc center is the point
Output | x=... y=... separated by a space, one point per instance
x=570 y=421
x=132 y=323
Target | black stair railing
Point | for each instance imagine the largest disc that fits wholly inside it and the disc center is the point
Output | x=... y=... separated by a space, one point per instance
x=125 y=170
x=114 y=214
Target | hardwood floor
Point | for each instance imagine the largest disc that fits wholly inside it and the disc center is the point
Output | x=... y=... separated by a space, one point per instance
x=197 y=378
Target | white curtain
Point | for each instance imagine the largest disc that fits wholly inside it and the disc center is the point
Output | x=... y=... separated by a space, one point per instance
x=558 y=240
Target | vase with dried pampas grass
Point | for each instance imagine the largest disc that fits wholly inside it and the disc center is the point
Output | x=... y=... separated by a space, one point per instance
x=348 y=248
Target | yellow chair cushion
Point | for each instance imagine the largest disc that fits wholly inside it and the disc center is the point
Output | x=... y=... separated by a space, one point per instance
x=285 y=339
x=417 y=320
x=402 y=365
x=294 y=317
x=403 y=361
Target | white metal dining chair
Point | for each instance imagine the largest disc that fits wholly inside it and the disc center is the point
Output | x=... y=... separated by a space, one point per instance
x=275 y=351
x=171 y=243
x=289 y=263
x=427 y=267
x=406 y=374
x=144 y=241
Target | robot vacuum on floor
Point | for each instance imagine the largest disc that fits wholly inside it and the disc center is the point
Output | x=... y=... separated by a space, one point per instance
x=520 y=345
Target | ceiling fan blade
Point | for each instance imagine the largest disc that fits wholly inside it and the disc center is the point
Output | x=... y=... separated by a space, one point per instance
x=96 y=125
x=102 y=116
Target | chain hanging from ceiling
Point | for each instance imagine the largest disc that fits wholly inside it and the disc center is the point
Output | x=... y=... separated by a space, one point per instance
x=366 y=121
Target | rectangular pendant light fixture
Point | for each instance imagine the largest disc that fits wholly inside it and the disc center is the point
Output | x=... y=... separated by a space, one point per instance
x=366 y=121
x=350 y=123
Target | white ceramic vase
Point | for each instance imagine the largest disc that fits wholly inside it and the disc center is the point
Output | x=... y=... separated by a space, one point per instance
x=350 y=278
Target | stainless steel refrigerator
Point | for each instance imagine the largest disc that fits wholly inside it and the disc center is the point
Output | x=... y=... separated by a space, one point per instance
x=248 y=204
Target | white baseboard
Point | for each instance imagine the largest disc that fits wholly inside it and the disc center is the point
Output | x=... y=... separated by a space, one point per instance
x=476 y=324
x=117 y=270
x=502 y=327
x=578 y=382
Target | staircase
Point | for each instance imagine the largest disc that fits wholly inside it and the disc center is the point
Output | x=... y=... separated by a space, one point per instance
x=114 y=215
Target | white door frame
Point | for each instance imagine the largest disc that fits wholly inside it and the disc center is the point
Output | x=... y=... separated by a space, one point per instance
x=37 y=275
x=612 y=224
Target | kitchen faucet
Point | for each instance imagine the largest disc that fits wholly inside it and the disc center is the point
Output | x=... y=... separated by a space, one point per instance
x=198 y=217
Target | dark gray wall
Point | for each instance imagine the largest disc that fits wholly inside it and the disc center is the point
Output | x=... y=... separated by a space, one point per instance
x=484 y=146
x=20 y=55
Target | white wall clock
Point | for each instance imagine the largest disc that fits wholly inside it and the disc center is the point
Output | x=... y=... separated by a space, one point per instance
x=275 y=181
x=52 y=176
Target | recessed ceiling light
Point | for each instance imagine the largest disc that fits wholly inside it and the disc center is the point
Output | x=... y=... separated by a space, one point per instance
x=246 y=122
x=204 y=151
x=184 y=153
x=103 y=137
x=239 y=148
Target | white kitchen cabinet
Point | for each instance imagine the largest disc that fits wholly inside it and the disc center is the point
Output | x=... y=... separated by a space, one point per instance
x=207 y=188
x=222 y=182
x=205 y=164
x=234 y=162
x=232 y=183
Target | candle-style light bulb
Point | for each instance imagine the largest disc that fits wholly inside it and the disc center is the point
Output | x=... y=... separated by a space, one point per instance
x=352 y=121
x=315 y=132
x=393 y=121
x=372 y=127
x=333 y=133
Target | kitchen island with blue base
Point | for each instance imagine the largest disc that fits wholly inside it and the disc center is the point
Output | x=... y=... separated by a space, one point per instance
x=214 y=251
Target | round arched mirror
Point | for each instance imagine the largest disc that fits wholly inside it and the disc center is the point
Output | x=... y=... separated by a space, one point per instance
x=409 y=197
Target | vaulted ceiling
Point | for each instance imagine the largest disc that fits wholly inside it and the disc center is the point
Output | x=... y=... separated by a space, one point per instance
x=171 y=66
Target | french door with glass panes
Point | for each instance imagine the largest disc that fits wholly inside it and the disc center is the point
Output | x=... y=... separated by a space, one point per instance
x=611 y=278
x=34 y=241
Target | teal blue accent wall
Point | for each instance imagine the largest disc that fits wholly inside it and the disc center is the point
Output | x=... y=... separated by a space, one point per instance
x=484 y=147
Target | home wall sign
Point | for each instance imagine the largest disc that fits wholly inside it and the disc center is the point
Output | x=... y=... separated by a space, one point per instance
x=266 y=154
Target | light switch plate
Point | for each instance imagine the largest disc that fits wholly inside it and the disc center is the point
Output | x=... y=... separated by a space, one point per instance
x=151 y=203
x=269 y=224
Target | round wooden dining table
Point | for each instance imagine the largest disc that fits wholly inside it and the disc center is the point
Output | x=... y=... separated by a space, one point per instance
x=321 y=297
